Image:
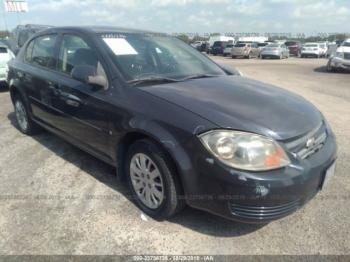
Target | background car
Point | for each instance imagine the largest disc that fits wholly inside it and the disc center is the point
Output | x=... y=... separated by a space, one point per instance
x=22 y=33
x=196 y=44
x=262 y=45
x=275 y=51
x=246 y=50
x=331 y=50
x=218 y=48
x=341 y=60
x=324 y=48
x=204 y=47
x=311 y=50
x=228 y=49
x=294 y=47
x=5 y=56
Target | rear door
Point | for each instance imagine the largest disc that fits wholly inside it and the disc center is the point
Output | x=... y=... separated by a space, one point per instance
x=39 y=76
x=84 y=112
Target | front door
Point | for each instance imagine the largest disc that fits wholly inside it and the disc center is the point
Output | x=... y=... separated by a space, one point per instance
x=84 y=112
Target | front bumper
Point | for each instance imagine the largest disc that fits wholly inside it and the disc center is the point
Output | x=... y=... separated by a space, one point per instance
x=239 y=52
x=337 y=62
x=270 y=53
x=310 y=53
x=257 y=197
x=217 y=51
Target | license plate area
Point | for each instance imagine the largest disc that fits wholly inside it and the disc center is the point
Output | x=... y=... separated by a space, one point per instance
x=328 y=175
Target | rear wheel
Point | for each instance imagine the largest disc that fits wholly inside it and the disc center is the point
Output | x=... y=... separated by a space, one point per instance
x=234 y=57
x=25 y=124
x=153 y=181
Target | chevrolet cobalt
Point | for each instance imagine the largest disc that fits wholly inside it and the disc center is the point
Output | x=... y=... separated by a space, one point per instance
x=178 y=127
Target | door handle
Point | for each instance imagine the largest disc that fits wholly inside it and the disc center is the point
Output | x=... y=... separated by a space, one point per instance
x=72 y=100
x=54 y=88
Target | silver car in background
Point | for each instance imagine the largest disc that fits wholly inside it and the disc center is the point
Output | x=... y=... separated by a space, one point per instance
x=341 y=59
x=246 y=50
x=279 y=51
x=228 y=50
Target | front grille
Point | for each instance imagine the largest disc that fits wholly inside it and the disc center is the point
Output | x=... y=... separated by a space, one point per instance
x=309 y=144
x=265 y=212
x=347 y=56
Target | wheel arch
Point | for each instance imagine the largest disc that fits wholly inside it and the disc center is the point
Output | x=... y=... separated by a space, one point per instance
x=130 y=138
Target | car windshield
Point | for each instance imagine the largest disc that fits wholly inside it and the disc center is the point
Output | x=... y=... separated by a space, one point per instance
x=262 y=44
x=346 y=44
x=240 y=45
x=290 y=43
x=218 y=44
x=229 y=46
x=157 y=56
x=3 y=50
x=274 y=45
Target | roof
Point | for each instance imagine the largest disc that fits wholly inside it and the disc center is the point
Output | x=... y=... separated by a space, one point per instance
x=105 y=29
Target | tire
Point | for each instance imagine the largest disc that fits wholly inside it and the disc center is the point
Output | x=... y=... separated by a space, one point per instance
x=224 y=55
x=233 y=57
x=262 y=57
x=171 y=202
x=24 y=122
x=330 y=69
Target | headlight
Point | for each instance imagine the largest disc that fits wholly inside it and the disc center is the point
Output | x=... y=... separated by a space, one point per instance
x=245 y=151
x=339 y=55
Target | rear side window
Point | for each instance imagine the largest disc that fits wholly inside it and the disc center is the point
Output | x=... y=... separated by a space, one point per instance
x=43 y=53
x=3 y=50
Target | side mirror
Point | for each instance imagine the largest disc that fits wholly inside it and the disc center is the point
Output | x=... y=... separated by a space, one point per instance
x=87 y=74
x=231 y=70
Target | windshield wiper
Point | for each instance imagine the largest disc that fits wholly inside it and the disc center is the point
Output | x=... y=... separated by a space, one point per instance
x=152 y=80
x=197 y=76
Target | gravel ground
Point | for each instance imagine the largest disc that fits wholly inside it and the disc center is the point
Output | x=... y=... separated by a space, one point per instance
x=56 y=199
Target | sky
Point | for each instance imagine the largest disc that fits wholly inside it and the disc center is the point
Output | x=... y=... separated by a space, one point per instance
x=192 y=16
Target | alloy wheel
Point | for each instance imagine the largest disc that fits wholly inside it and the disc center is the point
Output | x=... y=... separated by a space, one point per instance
x=21 y=115
x=147 y=181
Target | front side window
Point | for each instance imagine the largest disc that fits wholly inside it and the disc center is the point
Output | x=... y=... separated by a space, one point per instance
x=43 y=53
x=74 y=51
x=141 y=56
x=29 y=51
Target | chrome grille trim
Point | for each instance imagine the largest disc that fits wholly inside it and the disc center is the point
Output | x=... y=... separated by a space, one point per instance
x=303 y=139
x=301 y=147
x=308 y=151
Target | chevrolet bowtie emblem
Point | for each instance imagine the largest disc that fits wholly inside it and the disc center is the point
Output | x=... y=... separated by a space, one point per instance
x=310 y=142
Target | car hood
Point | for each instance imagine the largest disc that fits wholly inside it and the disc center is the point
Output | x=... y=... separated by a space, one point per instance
x=239 y=103
x=344 y=49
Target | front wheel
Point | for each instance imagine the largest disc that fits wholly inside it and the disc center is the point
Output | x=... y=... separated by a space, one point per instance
x=153 y=181
x=330 y=68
